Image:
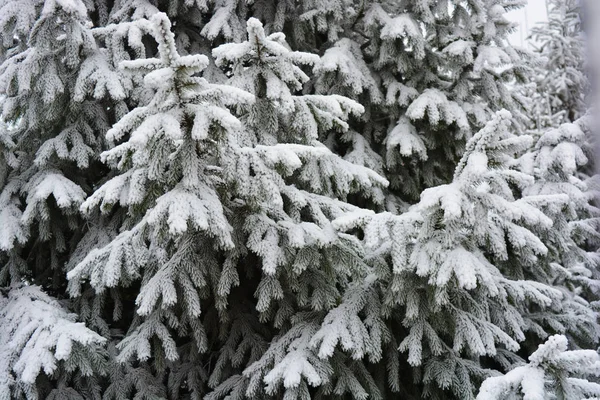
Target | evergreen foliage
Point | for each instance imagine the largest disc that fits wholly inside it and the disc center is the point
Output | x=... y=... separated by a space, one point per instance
x=552 y=372
x=561 y=82
x=274 y=199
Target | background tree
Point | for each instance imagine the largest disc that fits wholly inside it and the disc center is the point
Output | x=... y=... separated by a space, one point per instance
x=561 y=82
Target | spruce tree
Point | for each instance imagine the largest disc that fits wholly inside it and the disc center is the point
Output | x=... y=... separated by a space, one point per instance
x=55 y=86
x=557 y=162
x=468 y=260
x=203 y=188
x=561 y=82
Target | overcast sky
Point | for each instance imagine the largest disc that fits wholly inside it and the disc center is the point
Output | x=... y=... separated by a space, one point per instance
x=527 y=17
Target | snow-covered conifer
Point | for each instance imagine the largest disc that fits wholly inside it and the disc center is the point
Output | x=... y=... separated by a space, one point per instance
x=54 y=115
x=561 y=82
x=55 y=88
x=41 y=341
x=553 y=372
x=429 y=76
x=572 y=260
x=464 y=263
x=204 y=188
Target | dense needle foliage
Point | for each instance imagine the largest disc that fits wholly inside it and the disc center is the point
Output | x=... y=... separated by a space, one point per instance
x=277 y=199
